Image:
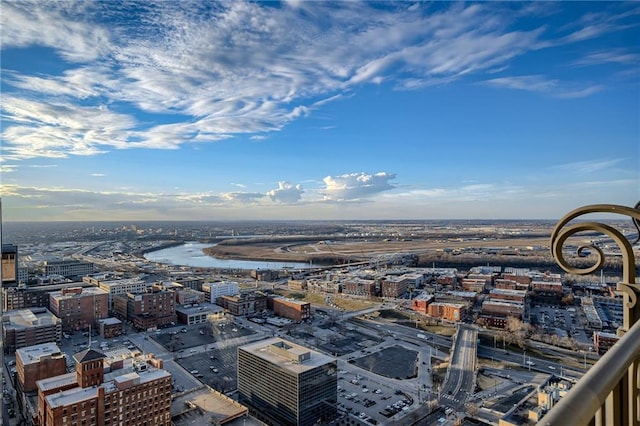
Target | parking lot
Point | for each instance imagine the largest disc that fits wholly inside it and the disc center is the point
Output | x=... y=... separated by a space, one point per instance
x=395 y=362
x=216 y=368
x=177 y=339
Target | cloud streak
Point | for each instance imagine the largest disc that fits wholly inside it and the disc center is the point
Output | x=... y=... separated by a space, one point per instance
x=203 y=72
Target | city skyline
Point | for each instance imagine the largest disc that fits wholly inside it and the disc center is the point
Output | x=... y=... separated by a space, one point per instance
x=317 y=110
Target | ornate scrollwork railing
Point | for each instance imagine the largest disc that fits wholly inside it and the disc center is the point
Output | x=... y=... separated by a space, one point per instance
x=608 y=394
x=563 y=230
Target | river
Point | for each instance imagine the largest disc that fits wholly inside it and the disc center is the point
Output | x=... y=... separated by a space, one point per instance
x=190 y=254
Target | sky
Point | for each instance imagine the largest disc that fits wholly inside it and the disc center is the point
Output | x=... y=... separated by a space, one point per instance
x=317 y=110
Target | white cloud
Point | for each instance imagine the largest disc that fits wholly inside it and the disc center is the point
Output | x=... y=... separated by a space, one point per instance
x=539 y=83
x=589 y=166
x=243 y=197
x=616 y=56
x=286 y=193
x=356 y=186
x=225 y=68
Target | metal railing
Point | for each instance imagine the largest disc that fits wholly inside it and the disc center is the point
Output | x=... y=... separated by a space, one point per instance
x=608 y=394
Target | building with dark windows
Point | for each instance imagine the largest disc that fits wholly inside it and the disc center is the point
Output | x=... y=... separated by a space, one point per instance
x=287 y=384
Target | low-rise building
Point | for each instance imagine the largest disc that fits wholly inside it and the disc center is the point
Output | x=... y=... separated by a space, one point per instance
x=110 y=327
x=69 y=268
x=186 y=296
x=244 y=304
x=38 y=362
x=29 y=327
x=421 y=302
x=292 y=309
x=212 y=291
x=139 y=397
x=79 y=308
x=152 y=308
x=198 y=313
x=116 y=287
x=359 y=287
x=602 y=341
x=446 y=311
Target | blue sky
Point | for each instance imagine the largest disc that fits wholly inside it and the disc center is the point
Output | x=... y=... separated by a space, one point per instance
x=317 y=110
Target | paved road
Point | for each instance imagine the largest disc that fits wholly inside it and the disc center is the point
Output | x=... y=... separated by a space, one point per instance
x=460 y=379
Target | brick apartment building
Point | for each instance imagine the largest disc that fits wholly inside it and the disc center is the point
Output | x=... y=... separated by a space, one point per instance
x=140 y=397
x=421 y=303
x=243 y=304
x=291 y=309
x=79 y=308
x=602 y=341
x=152 y=308
x=360 y=287
x=446 y=311
x=38 y=362
x=496 y=312
x=478 y=285
x=519 y=296
x=36 y=296
x=394 y=286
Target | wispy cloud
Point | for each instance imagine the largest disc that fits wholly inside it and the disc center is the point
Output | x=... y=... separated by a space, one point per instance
x=220 y=69
x=539 y=83
x=615 y=56
x=588 y=166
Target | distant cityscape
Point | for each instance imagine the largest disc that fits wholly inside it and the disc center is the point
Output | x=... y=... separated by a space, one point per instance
x=380 y=322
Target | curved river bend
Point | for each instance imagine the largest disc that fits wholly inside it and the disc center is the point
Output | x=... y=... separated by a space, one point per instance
x=190 y=254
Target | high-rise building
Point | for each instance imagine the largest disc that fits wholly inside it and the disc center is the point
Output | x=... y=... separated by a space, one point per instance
x=287 y=384
x=87 y=397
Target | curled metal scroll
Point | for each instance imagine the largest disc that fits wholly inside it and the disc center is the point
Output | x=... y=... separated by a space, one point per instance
x=563 y=230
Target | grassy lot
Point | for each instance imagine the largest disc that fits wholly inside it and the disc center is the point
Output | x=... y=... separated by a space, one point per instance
x=486 y=382
x=320 y=299
x=439 y=329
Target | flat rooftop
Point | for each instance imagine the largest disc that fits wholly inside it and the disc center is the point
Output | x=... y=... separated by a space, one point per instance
x=287 y=355
x=25 y=318
x=33 y=354
x=202 y=307
x=215 y=408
